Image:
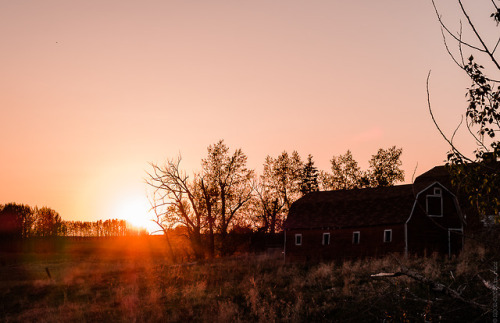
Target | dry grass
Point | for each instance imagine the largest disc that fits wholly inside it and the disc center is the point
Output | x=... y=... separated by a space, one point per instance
x=140 y=284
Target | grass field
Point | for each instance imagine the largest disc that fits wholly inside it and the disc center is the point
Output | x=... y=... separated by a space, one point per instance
x=132 y=279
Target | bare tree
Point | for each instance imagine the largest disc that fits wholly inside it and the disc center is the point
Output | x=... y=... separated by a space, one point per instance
x=209 y=202
x=175 y=203
x=476 y=176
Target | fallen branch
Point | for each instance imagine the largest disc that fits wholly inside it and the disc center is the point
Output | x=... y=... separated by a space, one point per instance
x=487 y=284
x=436 y=286
x=384 y=275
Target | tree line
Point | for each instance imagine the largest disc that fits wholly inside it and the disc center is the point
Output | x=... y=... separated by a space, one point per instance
x=20 y=221
x=225 y=194
x=100 y=228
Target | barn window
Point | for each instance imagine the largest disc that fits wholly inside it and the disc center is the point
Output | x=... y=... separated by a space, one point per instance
x=388 y=235
x=326 y=239
x=434 y=203
x=298 y=239
x=356 y=237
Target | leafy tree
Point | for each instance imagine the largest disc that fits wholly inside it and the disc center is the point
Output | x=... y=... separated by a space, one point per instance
x=278 y=188
x=476 y=176
x=325 y=180
x=206 y=193
x=385 y=168
x=16 y=221
x=230 y=182
x=48 y=222
x=346 y=172
x=310 y=175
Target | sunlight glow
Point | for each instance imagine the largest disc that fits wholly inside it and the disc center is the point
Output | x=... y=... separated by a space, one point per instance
x=134 y=209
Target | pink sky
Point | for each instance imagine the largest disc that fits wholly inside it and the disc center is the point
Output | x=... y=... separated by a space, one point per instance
x=92 y=91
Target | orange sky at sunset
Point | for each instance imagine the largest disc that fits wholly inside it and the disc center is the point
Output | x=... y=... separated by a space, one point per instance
x=92 y=91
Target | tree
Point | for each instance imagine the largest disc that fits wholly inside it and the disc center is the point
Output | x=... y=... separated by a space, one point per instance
x=174 y=202
x=48 y=222
x=278 y=188
x=16 y=221
x=310 y=174
x=346 y=172
x=385 y=168
x=476 y=176
x=211 y=201
x=207 y=195
x=229 y=181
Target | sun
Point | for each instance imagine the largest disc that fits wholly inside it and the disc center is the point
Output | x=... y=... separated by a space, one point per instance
x=135 y=210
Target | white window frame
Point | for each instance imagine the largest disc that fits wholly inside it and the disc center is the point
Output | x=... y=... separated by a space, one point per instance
x=359 y=237
x=437 y=192
x=326 y=234
x=299 y=236
x=390 y=235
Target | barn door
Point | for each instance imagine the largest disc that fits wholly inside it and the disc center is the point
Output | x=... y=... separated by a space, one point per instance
x=455 y=241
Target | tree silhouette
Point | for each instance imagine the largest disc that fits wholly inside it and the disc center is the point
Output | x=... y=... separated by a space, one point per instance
x=174 y=202
x=385 y=168
x=211 y=200
x=346 y=172
x=310 y=174
x=478 y=176
x=16 y=221
x=230 y=182
x=277 y=189
x=48 y=222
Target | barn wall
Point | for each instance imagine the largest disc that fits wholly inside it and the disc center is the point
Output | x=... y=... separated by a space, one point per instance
x=341 y=245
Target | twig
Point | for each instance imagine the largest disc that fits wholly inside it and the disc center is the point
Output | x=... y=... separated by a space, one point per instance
x=451 y=34
x=455 y=150
x=486 y=50
x=488 y=284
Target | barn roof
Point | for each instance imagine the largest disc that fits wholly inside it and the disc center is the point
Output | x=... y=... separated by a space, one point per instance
x=440 y=174
x=352 y=208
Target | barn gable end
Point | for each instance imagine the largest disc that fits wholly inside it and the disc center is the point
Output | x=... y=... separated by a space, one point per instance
x=436 y=222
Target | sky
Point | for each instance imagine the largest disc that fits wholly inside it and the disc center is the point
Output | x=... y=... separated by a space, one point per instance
x=92 y=91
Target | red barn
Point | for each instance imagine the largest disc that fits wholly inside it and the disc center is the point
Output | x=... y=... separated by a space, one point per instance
x=402 y=219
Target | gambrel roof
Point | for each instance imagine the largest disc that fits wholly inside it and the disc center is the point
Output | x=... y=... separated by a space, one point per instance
x=437 y=173
x=442 y=175
x=352 y=208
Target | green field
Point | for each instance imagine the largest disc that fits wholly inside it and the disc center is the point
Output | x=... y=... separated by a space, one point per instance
x=132 y=279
